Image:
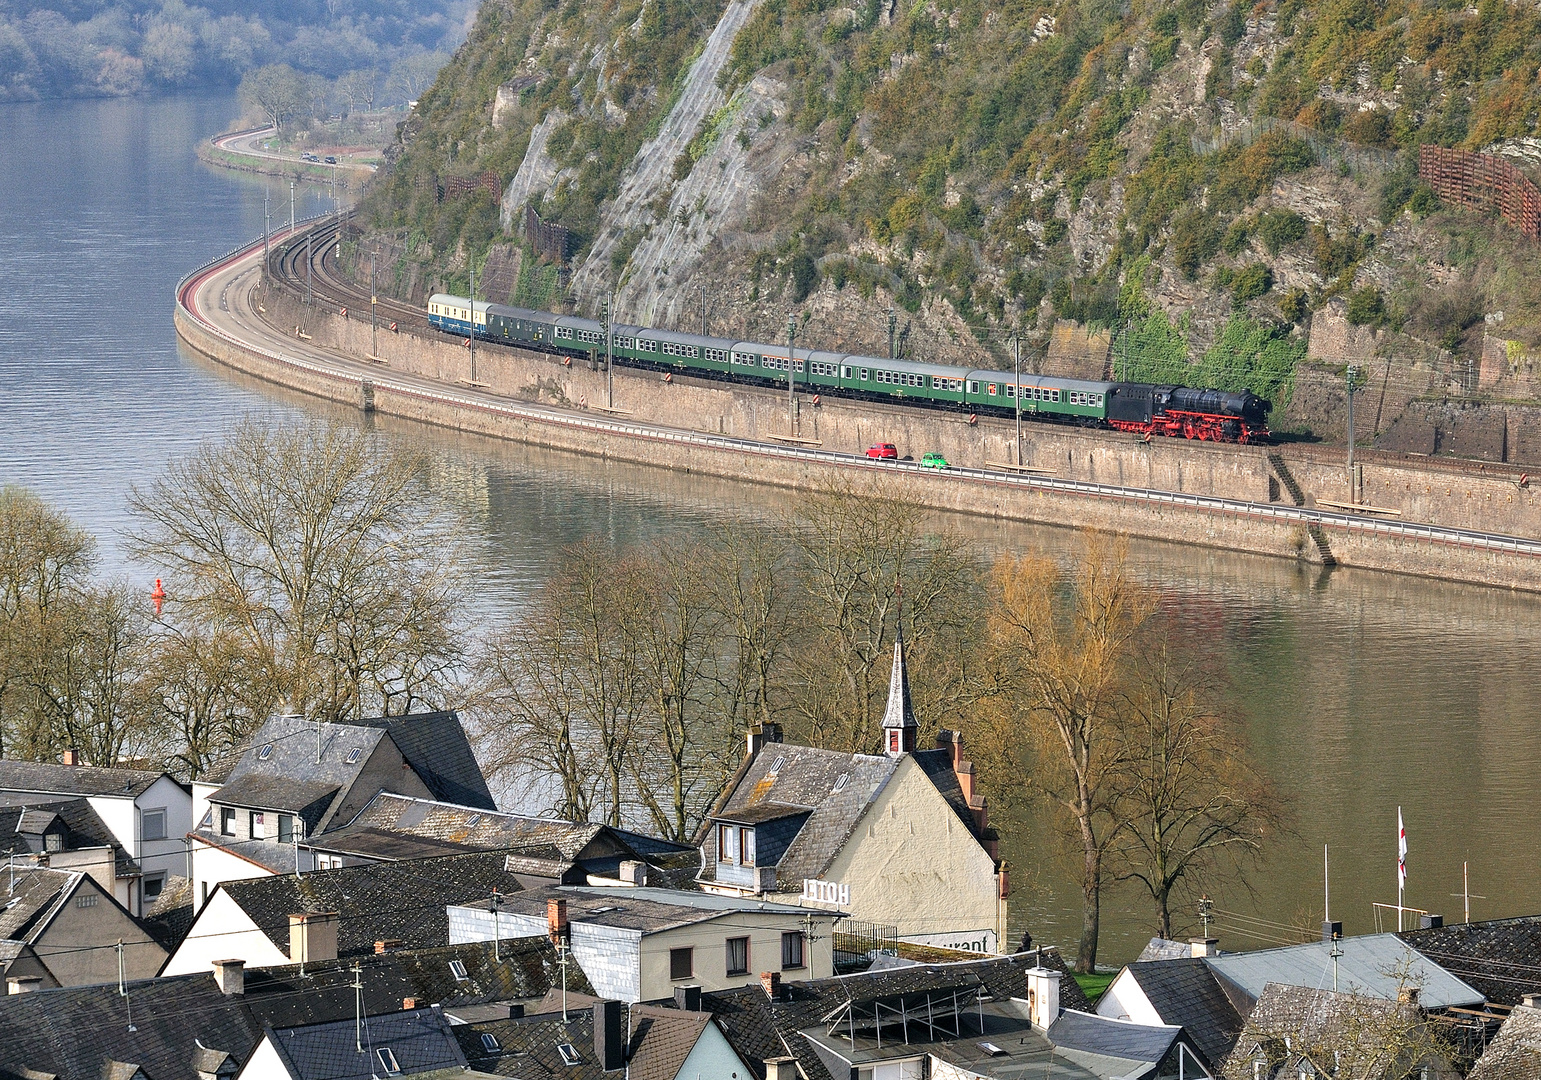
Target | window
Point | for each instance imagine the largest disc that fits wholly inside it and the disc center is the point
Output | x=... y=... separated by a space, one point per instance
x=1011 y=391
x=863 y=374
x=153 y=824
x=564 y=333
x=735 y=845
x=842 y=780
x=992 y=390
x=954 y=386
x=673 y=348
x=286 y=828
x=490 y=1042
x=457 y=968
x=781 y=760
x=569 y=1054
x=893 y=740
x=646 y=346
x=682 y=963
x=388 y=1061
x=738 y=956
x=717 y=356
x=153 y=886
x=226 y=821
x=973 y=386
x=845 y=373
x=257 y=826
x=624 y=343
x=791 y=950
x=818 y=367
x=265 y=753
x=87 y=900
x=353 y=755
x=746 y=359
x=593 y=337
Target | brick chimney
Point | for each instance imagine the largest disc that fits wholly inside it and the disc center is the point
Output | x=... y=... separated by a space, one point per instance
x=389 y=945
x=230 y=975
x=556 y=919
x=1407 y=995
x=70 y=757
x=313 y=937
x=771 y=981
x=408 y=1004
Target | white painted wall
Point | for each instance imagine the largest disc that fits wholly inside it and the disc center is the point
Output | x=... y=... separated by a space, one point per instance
x=712 y=1058
x=213 y=865
x=1125 y=1000
x=201 y=793
x=119 y=815
x=264 y=1063
x=223 y=931
x=169 y=855
x=913 y=864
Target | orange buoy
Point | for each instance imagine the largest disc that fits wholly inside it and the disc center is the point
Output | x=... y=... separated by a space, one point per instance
x=158 y=595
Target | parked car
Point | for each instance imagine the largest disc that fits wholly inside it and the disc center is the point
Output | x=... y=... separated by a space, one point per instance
x=933 y=461
x=331 y=159
x=883 y=450
x=309 y=157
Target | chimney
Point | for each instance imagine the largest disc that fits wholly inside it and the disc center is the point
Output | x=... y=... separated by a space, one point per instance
x=761 y=734
x=408 y=1004
x=99 y=863
x=230 y=975
x=771 y=981
x=313 y=937
x=516 y=1012
x=389 y=945
x=1204 y=946
x=23 y=984
x=1407 y=995
x=634 y=873
x=1004 y=874
x=782 y=1068
x=556 y=919
x=1430 y=922
x=70 y=757
x=609 y=1047
x=1043 y=996
x=1531 y=1001
x=1331 y=931
x=772 y=731
x=687 y=998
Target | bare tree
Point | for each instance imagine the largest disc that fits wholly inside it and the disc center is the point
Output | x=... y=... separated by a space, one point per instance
x=1062 y=671
x=278 y=92
x=207 y=694
x=359 y=88
x=752 y=578
x=411 y=77
x=324 y=553
x=1193 y=805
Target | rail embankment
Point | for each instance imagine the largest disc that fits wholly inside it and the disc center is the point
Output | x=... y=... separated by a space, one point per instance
x=731 y=432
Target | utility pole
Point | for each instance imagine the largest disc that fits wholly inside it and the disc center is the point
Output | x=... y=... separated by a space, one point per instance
x=473 y=322
x=374 y=349
x=1016 y=390
x=1353 y=494
x=267 y=227
x=791 y=383
x=703 y=310
x=604 y=318
x=892 y=322
x=291 y=207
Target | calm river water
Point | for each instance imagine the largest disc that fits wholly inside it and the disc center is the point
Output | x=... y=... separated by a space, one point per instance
x=1364 y=691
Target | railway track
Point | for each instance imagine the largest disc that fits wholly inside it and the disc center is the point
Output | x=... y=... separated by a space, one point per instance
x=328 y=284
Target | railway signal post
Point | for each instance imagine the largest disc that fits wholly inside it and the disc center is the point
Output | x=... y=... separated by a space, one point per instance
x=604 y=318
x=1016 y=388
x=374 y=299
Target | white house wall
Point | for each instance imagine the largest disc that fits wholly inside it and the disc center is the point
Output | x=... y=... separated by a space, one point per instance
x=713 y=1057
x=1124 y=1000
x=212 y=866
x=169 y=855
x=911 y=863
x=121 y=818
x=223 y=931
x=264 y=1063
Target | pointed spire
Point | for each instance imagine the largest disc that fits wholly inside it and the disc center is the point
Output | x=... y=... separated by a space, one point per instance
x=899 y=725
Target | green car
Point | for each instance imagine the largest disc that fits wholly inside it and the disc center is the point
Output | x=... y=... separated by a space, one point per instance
x=934 y=461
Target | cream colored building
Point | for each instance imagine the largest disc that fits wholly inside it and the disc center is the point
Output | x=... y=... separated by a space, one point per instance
x=898 y=839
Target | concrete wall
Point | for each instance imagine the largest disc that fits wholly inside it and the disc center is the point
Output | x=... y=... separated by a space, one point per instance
x=912 y=864
x=1192 y=467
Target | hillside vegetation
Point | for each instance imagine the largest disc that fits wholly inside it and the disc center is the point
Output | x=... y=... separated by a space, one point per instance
x=1198 y=177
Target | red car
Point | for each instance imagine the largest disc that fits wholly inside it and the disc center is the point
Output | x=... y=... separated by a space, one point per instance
x=883 y=450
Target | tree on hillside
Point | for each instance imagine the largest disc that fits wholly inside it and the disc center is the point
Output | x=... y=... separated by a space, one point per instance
x=323 y=555
x=1194 y=805
x=359 y=89
x=277 y=91
x=1062 y=643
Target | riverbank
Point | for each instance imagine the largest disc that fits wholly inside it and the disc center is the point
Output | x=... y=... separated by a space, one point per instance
x=222 y=151
x=739 y=433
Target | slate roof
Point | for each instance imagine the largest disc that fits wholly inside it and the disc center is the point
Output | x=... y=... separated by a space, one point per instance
x=1111 y=1047
x=1187 y=992
x=436 y=746
x=173 y=1016
x=33 y=894
x=1368 y=965
x=39 y=777
x=404 y=901
x=24 y=825
x=1501 y=957
x=1160 y=948
x=1515 y=1052
x=647 y=910
x=420 y=1040
x=170 y=915
x=310 y=799
x=527 y=1047
x=661 y=1040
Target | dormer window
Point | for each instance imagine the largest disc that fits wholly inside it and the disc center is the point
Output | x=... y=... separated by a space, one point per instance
x=735 y=845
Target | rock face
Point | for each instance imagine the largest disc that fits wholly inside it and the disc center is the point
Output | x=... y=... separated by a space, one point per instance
x=537 y=172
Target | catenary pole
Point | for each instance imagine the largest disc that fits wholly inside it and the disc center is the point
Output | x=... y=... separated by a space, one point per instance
x=1016 y=390
x=473 y=322
x=791 y=383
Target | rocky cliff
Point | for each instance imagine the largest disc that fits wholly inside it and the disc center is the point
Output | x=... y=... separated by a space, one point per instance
x=1215 y=193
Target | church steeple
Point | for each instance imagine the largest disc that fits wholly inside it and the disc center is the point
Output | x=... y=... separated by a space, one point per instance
x=899 y=725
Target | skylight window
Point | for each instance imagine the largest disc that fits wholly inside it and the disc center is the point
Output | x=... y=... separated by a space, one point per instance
x=354 y=754
x=569 y=1054
x=265 y=753
x=473 y=821
x=991 y=1049
x=841 y=780
x=490 y=1042
x=388 y=1061
x=776 y=765
x=457 y=968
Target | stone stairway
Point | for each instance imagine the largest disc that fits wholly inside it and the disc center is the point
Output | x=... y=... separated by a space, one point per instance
x=1287 y=478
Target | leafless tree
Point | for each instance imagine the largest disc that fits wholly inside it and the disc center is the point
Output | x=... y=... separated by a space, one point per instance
x=1063 y=666
x=278 y=92
x=324 y=553
x=359 y=88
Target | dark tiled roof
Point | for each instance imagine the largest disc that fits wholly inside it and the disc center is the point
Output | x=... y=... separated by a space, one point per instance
x=402 y=901
x=661 y=1040
x=1093 y=1034
x=648 y=910
x=1515 y=1052
x=1187 y=993
x=23 y=827
x=1500 y=958
x=257 y=791
x=44 y=778
x=32 y=894
x=527 y=1048
x=1319 y=1025
x=170 y=915
x=420 y=1041
x=435 y=745
x=467 y=827
x=291 y=772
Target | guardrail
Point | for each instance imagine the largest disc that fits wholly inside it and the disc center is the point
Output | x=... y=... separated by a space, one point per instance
x=1148 y=496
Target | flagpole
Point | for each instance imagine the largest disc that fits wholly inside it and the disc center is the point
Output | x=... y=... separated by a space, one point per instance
x=1401 y=865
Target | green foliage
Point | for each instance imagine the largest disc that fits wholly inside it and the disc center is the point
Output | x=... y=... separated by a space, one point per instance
x=1251 y=282
x=1278 y=229
x=1195 y=239
x=1295 y=305
x=1367 y=307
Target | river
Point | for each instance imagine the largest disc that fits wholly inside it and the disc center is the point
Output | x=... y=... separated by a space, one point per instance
x=1363 y=691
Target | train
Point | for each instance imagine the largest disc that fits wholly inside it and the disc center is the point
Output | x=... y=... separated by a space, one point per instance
x=1142 y=408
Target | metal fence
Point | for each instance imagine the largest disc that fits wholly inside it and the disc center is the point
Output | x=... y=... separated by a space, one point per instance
x=856 y=943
